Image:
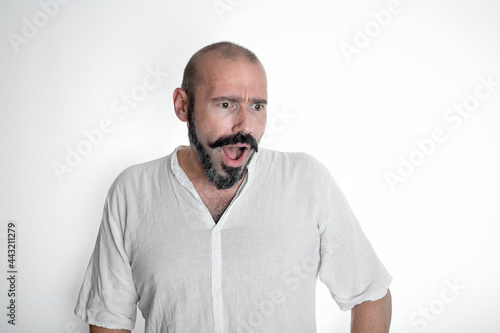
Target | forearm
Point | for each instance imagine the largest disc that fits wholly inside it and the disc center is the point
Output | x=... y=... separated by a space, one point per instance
x=97 y=329
x=372 y=317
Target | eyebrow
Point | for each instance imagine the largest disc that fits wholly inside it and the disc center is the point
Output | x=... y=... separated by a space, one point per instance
x=238 y=99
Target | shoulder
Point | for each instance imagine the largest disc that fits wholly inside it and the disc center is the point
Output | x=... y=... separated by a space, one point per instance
x=289 y=161
x=143 y=169
x=140 y=176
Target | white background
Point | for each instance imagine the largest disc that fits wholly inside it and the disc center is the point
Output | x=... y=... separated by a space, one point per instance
x=359 y=113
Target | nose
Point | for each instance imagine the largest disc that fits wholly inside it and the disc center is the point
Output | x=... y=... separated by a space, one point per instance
x=243 y=121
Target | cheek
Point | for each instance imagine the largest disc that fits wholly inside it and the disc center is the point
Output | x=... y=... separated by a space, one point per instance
x=208 y=128
x=260 y=127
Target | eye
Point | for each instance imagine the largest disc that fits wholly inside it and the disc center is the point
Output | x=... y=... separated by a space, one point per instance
x=225 y=105
x=258 y=107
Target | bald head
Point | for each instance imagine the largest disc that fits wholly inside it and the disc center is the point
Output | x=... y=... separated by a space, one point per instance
x=223 y=50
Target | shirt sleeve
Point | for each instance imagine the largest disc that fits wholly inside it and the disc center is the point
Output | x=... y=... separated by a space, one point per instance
x=108 y=296
x=349 y=266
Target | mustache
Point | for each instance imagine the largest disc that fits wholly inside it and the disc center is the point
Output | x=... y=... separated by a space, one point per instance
x=234 y=139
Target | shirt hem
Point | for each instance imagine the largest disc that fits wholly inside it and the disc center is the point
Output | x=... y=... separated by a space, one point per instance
x=81 y=315
x=372 y=297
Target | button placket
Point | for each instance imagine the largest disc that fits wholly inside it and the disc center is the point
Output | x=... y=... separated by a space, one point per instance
x=217 y=300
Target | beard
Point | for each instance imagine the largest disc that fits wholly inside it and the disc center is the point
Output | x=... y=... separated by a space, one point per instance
x=231 y=175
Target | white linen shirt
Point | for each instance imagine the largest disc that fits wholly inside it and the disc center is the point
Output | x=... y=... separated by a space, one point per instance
x=253 y=271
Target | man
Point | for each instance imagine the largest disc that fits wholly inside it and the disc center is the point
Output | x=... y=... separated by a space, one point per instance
x=221 y=236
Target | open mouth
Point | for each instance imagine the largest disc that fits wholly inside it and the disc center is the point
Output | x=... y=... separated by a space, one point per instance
x=234 y=154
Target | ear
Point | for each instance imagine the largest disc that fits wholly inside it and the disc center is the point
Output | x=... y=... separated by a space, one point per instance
x=181 y=104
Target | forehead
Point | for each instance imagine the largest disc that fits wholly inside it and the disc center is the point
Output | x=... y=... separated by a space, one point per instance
x=218 y=75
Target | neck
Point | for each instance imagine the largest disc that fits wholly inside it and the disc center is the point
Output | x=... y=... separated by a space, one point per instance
x=189 y=162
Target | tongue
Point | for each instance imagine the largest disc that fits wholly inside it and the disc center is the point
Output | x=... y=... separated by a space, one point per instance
x=231 y=152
